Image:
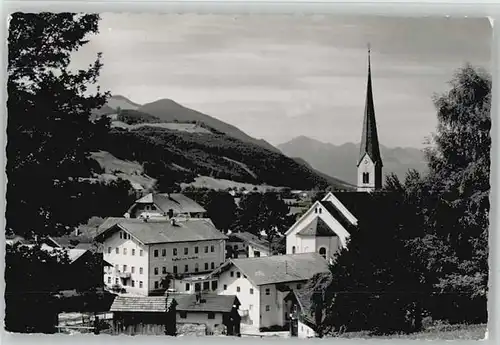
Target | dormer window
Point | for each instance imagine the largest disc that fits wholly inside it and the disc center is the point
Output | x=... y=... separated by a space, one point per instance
x=366 y=177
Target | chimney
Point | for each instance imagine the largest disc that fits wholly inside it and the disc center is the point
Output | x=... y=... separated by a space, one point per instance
x=170 y=213
x=172 y=221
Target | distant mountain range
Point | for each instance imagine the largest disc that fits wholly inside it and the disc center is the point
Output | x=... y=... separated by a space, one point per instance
x=340 y=161
x=170 y=141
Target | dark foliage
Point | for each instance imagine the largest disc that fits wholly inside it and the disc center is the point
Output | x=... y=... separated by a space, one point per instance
x=49 y=131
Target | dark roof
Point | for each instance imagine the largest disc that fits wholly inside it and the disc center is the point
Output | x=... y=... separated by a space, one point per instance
x=251 y=238
x=369 y=137
x=162 y=231
x=317 y=227
x=159 y=304
x=280 y=268
x=337 y=214
x=358 y=203
x=179 y=203
x=211 y=302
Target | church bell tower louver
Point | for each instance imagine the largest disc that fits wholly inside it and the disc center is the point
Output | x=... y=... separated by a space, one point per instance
x=369 y=161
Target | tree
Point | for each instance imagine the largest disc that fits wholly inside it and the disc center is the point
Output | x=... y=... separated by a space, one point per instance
x=49 y=131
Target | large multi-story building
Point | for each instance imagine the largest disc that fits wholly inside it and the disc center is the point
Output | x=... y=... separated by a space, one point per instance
x=144 y=253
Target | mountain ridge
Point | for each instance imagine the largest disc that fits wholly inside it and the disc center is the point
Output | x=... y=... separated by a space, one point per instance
x=339 y=161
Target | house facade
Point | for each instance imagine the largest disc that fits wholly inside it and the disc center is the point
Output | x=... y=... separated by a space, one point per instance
x=323 y=229
x=246 y=245
x=262 y=283
x=209 y=309
x=144 y=253
x=163 y=205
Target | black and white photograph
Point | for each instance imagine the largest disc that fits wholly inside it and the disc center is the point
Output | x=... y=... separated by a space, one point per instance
x=248 y=175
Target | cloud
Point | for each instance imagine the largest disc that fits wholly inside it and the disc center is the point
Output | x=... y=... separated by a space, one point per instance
x=276 y=77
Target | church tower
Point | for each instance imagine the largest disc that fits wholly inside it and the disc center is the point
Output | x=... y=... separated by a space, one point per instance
x=369 y=161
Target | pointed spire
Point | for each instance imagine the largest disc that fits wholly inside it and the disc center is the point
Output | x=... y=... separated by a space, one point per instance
x=369 y=138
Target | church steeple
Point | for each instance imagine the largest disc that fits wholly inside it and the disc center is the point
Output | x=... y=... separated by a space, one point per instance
x=369 y=161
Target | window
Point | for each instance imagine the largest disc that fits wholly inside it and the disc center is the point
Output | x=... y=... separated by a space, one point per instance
x=237 y=289
x=109 y=280
x=117 y=250
x=175 y=269
x=186 y=251
x=212 y=249
x=238 y=274
x=206 y=286
x=322 y=252
x=141 y=253
x=211 y=315
x=156 y=253
x=156 y=285
x=116 y=267
x=197 y=287
x=268 y=308
x=256 y=253
x=206 y=249
x=366 y=177
x=116 y=280
x=225 y=287
x=156 y=271
x=187 y=286
x=174 y=251
x=212 y=265
x=196 y=250
x=293 y=250
x=268 y=291
x=124 y=268
x=109 y=250
x=186 y=268
x=251 y=291
x=183 y=314
x=206 y=266
x=214 y=285
x=133 y=283
x=132 y=269
x=196 y=267
x=163 y=252
x=140 y=284
x=121 y=235
x=232 y=274
x=133 y=252
x=141 y=271
x=163 y=270
x=124 y=251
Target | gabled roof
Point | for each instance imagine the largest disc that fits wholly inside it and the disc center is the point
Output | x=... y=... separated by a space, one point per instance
x=193 y=229
x=179 y=203
x=278 y=268
x=369 y=137
x=358 y=203
x=158 y=304
x=251 y=239
x=317 y=227
x=211 y=303
x=336 y=214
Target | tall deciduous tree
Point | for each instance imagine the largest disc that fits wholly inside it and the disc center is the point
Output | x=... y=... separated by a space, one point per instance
x=49 y=131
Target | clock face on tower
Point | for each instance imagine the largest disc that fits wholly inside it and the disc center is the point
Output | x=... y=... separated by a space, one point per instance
x=366 y=161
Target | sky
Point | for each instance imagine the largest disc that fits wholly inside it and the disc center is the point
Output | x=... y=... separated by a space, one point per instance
x=278 y=77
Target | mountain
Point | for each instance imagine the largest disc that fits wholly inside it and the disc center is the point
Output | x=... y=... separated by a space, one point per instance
x=165 y=141
x=166 y=110
x=340 y=161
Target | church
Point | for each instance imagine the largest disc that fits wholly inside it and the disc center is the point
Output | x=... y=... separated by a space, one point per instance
x=326 y=226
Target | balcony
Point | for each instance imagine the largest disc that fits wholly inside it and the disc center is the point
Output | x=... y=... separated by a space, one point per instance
x=124 y=275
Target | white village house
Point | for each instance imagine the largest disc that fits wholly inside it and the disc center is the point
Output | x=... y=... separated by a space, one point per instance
x=162 y=205
x=245 y=244
x=143 y=252
x=261 y=284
